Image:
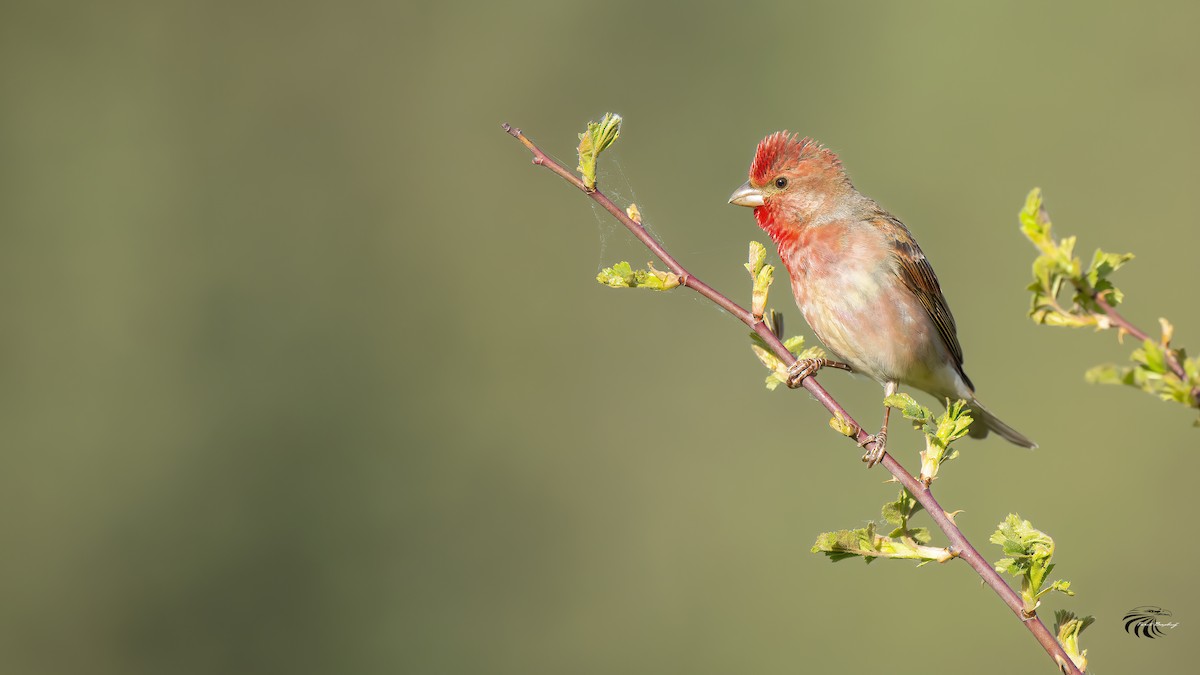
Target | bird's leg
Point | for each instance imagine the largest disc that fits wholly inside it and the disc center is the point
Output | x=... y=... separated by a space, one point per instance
x=872 y=456
x=805 y=367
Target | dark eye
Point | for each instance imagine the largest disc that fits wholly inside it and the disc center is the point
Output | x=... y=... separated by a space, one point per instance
x=781 y=182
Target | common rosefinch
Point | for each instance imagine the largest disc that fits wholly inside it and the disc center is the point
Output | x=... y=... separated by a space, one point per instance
x=860 y=280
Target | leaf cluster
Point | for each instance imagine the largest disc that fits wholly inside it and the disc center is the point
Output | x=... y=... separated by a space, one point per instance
x=1028 y=552
x=622 y=275
x=940 y=430
x=868 y=544
x=761 y=277
x=1156 y=368
x=1150 y=372
x=903 y=541
x=594 y=140
x=1057 y=268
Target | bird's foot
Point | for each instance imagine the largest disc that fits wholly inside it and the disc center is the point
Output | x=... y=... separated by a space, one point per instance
x=872 y=456
x=803 y=368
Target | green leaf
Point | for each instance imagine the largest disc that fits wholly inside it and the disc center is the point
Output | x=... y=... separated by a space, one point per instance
x=762 y=287
x=920 y=535
x=1104 y=264
x=622 y=275
x=779 y=371
x=908 y=406
x=762 y=275
x=617 y=276
x=1007 y=566
x=1069 y=627
x=954 y=423
x=1191 y=367
x=1032 y=223
x=1027 y=552
x=1150 y=355
x=839 y=424
x=758 y=256
x=1108 y=373
x=901 y=510
x=866 y=543
x=794 y=344
x=593 y=141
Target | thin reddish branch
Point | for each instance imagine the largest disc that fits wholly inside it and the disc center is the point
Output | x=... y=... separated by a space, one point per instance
x=1121 y=322
x=959 y=545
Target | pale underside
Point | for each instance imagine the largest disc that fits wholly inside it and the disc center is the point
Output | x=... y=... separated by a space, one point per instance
x=853 y=310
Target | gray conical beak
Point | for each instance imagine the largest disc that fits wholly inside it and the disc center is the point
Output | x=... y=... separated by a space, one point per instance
x=746 y=195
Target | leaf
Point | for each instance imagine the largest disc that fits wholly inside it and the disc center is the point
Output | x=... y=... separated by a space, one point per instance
x=758 y=255
x=1033 y=224
x=622 y=275
x=767 y=357
x=1168 y=331
x=1069 y=627
x=1106 y=373
x=779 y=372
x=1104 y=264
x=909 y=407
x=1028 y=552
x=762 y=287
x=794 y=344
x=617 y=276
x=1007 y=566
x=839 y=424
x=634 y=214
x=594 y=140
x=865 y=542
x=1150 y=355
x=920 y=534
x=899 y=511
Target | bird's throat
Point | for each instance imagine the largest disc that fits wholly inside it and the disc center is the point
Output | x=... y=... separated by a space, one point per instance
x=777 y=228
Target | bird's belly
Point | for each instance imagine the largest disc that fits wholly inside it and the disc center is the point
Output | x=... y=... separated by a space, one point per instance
x=876 y=326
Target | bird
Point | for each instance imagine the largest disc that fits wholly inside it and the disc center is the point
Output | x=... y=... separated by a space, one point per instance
x=861 y=282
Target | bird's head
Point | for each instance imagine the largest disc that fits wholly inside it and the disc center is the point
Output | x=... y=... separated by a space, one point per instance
x=792 y=180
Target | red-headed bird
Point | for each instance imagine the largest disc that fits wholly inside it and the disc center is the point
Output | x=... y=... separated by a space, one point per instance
x=860 y=280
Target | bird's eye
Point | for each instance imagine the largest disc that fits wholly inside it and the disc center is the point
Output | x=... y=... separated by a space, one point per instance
x=781 y=182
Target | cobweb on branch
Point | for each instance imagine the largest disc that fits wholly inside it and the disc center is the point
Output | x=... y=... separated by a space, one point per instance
x=613 y=181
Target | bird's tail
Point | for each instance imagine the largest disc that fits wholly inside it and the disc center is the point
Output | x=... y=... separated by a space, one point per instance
x=985 y=421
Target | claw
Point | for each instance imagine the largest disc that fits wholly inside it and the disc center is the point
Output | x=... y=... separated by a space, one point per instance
x=872 y=456
x=802 y=369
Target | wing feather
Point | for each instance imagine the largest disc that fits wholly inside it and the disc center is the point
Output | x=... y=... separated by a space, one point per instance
x=917 y=275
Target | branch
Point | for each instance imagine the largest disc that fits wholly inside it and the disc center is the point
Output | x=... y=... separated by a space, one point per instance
x=1121 y=322
x=960 y=546
x=1093 y=304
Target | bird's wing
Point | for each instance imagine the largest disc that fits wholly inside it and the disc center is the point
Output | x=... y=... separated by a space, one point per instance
x=917 y=274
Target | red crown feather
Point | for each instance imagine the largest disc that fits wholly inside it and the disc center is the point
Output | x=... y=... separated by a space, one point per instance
x=782 y=150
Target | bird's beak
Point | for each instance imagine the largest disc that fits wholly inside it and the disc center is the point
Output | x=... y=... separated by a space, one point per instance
x=746 y=195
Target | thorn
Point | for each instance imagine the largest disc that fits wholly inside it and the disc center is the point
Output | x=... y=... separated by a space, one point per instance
x=951 y=514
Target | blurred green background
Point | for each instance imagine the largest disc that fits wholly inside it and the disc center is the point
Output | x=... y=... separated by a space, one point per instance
x=306 y=370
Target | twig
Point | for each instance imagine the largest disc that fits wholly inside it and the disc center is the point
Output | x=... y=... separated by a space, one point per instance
x=1124 y=324
x=960 y=547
